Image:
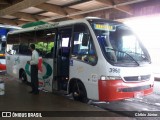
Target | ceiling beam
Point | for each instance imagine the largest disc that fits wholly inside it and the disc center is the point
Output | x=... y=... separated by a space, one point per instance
x=59 y=10
x=71 y=10
x=76 y=3
x=20 y=22
x=39 y=17
x=106 y=2
x=77 y=17
x=3 y=6
x=20 y=6
x=27 y=16
x=94 y=10
x=113 y=2
x=61 y=19
x=100 y=14
x=126 y=9
x=124 y=6
x=140 y=9
x=52 y=8
x=7 y=21
x=4 y=2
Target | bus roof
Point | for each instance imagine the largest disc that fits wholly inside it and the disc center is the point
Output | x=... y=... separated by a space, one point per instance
x=62 y=23
x=9 y=26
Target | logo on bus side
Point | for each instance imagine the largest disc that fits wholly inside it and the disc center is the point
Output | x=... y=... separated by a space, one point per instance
x=48 y=70
x=16 y=61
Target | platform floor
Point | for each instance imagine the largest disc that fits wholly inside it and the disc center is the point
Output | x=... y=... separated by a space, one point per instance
x=17 y=98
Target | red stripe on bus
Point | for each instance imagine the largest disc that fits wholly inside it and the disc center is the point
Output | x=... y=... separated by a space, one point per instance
x=40 y=64
x=2 y=67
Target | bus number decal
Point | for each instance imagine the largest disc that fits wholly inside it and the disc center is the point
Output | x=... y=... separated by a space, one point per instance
x=114 y=70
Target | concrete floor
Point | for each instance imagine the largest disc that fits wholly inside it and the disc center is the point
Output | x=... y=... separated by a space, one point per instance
x=17 y=98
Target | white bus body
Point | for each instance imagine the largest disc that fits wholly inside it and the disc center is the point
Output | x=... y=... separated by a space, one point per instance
x=4 y=29
x=85 y=62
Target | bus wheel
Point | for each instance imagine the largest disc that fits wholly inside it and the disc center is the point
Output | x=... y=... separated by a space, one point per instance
x=79 y=92
x=23 y=77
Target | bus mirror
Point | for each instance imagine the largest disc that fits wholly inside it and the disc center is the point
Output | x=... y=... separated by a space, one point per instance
x=85 y=39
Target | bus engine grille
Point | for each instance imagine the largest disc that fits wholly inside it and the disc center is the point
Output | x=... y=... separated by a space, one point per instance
x=133 y=89
x=137 y=78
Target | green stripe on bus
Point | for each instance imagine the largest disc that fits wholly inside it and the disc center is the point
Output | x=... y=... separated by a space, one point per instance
x=48 y=70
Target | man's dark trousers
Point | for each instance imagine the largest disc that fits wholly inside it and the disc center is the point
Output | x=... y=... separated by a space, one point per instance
x=34 y=78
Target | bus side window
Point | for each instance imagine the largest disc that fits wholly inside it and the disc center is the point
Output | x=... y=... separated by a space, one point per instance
x=23 y=49
x=13 y=42
x=83 y=47
x=45 y=42
x=15 y=49
x=12 y=49
x=50 y=54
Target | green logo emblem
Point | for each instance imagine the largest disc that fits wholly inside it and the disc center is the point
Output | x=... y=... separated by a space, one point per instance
x=48 y=70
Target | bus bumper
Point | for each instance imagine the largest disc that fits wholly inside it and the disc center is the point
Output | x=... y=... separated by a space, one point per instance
x=112 y=90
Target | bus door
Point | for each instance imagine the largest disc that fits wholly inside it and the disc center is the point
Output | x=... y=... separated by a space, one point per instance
x=46 y=48
x=63 y=53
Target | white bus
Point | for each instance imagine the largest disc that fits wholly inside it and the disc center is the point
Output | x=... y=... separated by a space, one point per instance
x=4 y=29
x=91 y=58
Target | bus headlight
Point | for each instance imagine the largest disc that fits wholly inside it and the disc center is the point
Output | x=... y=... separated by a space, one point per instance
x=110 y=77
x=114 y=78
x=103 y=77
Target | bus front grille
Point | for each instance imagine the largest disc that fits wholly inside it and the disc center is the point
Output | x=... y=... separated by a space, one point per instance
x=137 y=78
x=133 y=89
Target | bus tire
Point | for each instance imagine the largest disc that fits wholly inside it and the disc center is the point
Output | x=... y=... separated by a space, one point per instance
x=79 y=92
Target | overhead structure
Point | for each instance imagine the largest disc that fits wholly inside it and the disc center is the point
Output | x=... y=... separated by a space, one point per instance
x=19 y=12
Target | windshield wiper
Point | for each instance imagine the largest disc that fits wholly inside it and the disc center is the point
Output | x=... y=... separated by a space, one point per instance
x=125 y=53
x=146 y=58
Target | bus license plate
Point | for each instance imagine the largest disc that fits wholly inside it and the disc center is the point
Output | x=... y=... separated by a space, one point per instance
x=138 y=94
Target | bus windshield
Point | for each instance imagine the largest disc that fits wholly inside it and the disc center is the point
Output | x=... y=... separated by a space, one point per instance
x=120 y=45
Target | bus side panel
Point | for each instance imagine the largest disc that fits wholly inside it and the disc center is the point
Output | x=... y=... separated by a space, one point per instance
x=45 y=71
x=15 y=63
x=11 y=65
x=88 y=75
x=45 y=74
